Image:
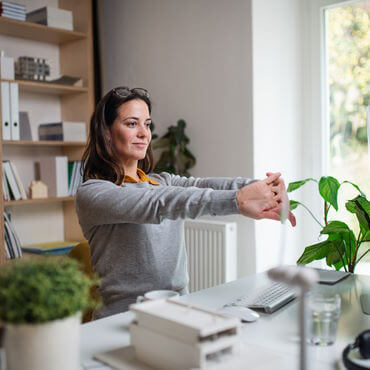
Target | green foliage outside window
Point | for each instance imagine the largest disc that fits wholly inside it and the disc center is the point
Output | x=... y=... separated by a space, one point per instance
x=348 y=40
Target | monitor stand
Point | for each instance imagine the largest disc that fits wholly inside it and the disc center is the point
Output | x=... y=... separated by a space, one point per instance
x=365 y=303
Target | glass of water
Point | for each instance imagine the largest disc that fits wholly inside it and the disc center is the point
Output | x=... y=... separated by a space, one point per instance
x=323 y=313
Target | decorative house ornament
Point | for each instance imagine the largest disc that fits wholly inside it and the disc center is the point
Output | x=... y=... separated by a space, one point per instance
x=30 y=68
x=38 y=190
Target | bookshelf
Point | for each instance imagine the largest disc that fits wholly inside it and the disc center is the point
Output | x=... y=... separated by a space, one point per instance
x=74 y=50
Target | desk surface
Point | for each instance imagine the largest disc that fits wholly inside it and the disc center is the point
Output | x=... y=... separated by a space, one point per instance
x=276 y=333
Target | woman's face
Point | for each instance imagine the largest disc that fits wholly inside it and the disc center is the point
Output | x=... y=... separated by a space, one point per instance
x=130 y=131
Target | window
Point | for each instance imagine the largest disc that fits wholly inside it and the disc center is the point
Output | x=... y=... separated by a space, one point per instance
x=347 y=51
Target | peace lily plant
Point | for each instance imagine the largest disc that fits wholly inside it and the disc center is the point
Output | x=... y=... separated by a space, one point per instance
x=341 y=248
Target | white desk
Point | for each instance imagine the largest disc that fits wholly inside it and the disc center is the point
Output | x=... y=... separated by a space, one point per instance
x=275 y=333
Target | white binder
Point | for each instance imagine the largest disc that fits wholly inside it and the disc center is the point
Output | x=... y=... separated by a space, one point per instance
x=5 y=110
x=14 y=111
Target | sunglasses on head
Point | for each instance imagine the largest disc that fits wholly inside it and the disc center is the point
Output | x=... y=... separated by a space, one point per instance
x=124 y=92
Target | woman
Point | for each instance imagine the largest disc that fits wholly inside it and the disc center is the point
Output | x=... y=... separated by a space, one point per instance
x=133 y=220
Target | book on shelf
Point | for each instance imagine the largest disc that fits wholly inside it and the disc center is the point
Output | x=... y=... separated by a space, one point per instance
x=52 y=17
x=13 y=182
x=12 y=5
x=6 y=194
x=24 y=127
x=12 y=10
x=74 y=177
x=12 y=244
x=51 y=248
x=54 y=173
x=63 y=131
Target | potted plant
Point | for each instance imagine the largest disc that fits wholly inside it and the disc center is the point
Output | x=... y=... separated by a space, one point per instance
x=176 y=157
x=341 y=248
x=41 y=301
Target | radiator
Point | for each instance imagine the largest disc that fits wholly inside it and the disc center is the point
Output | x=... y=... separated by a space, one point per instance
x=211 y=248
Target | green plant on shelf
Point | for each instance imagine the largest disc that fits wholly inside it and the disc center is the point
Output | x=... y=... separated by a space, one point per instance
x=341 y=248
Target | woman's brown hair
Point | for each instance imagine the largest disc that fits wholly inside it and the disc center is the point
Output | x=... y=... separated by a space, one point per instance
x=100 y=160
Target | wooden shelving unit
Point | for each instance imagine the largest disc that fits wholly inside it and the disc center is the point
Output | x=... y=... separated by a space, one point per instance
x=48 y=88
x=39 y=201
x=76 y=103
x=44 y=143
x=36 y=32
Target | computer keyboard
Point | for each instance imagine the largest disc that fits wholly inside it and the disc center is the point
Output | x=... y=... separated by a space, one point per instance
x=268 y=298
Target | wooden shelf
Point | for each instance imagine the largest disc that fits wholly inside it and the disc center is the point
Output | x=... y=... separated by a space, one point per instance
x=38 y=201
x=48 y=88
x=38 y=32
x=44 y=143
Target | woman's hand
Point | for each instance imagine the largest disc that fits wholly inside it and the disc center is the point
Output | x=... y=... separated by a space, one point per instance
x=264 y=199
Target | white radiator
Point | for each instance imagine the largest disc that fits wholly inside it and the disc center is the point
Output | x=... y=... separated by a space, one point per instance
x=211 y=247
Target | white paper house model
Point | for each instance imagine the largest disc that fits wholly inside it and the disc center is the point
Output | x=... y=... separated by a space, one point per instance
x=169 y=334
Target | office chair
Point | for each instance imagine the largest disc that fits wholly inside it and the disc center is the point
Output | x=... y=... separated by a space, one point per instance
x=81 y=253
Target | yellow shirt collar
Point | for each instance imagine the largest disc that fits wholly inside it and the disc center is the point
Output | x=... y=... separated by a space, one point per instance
x=143 y=178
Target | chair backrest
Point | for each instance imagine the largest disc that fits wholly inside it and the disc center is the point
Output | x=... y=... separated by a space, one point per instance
x=81 y=252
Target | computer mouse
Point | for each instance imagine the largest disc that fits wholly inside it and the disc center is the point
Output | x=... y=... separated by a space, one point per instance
x=243 y=313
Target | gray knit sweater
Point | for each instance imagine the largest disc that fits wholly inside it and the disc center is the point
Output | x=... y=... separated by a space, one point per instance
x=136 y=231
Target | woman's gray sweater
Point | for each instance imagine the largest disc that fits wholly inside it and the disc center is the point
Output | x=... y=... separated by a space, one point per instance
x=136 y=231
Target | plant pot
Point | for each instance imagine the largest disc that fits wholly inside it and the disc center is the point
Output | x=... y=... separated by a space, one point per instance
x=53 y=345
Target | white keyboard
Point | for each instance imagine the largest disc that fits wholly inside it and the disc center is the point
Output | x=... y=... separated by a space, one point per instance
x=268 y=298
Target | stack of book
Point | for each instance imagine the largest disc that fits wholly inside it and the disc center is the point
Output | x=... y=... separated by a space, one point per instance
x=13 y=188
x=74 y=177
x=52 y=17
x=12 y=245
x=63 y=131
x=12 y=10
x=50 y=248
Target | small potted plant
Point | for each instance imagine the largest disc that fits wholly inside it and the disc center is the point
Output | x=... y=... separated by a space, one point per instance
x=175 y=158
x=41 y=301
x=341 y=249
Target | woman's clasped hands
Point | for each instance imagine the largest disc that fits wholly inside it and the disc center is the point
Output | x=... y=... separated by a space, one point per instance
x=264 y=199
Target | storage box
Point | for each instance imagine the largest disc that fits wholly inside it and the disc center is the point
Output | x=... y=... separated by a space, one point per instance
x=52 y=17
x=64 y=131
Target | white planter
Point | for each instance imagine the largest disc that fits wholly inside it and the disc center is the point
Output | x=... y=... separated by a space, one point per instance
x=51 y=346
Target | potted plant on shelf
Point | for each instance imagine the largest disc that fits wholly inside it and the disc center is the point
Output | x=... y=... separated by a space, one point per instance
x=41 y=301
x=341 y=248
x=176 y=158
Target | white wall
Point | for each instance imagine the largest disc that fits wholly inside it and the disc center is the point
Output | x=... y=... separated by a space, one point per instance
x=278 y=115
x=195 y=59
x=233 y=74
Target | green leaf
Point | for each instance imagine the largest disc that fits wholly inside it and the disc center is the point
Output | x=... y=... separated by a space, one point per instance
x=362 y=210
x=328 y=188
x=161 y=143
x=356 y=187
x=314 y=252
x=335 y=227
x=336 y=252
x=297 y=184
x=351 y=206
x=367 y=236
x=293 y=204
x=338 y=265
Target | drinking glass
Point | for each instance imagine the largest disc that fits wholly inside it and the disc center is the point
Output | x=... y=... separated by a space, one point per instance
x=323 y=313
